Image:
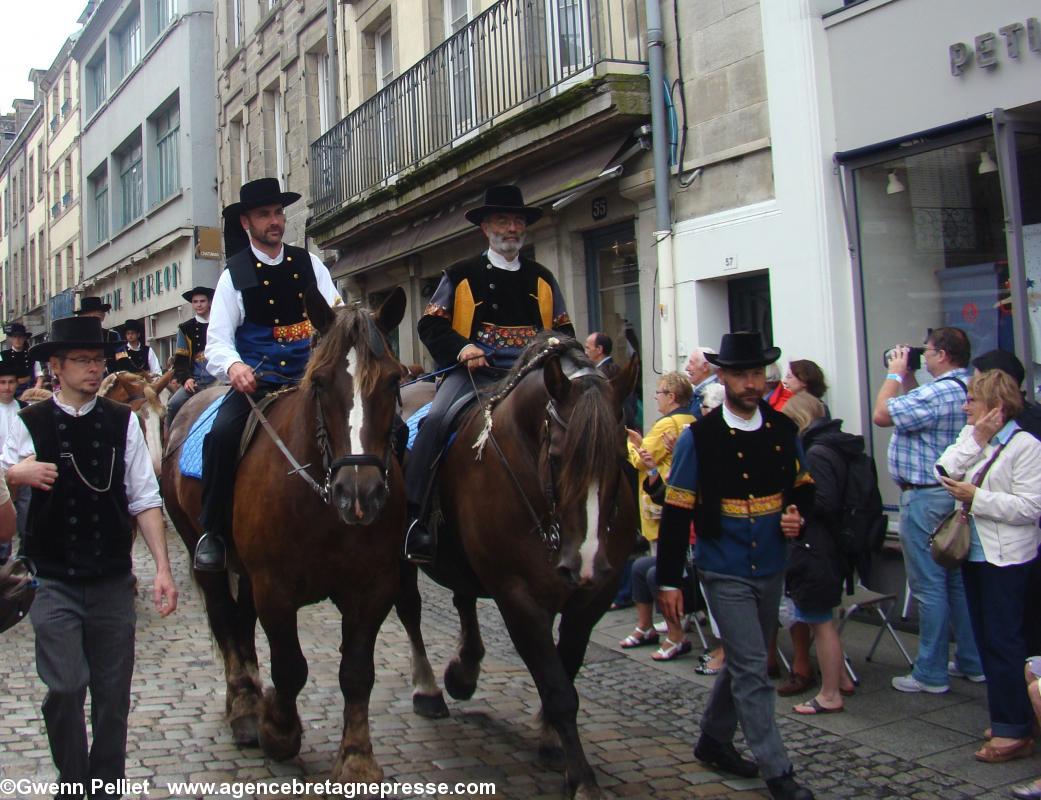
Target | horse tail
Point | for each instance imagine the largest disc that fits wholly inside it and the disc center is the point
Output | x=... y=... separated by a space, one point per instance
x=592 y=445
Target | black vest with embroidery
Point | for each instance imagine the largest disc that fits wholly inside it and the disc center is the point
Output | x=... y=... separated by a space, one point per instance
x=76 y=531
x=740 y=465
x=272 y=294
x=139 y=359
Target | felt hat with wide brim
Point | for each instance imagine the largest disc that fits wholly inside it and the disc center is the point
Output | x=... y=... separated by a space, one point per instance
x=743 y=350
x=255 y=194
x=92 y=304
x=74 y=333
x=197 y=290
x=503 y=200
x=15 y=329
x=9 y=367
x=132 y=324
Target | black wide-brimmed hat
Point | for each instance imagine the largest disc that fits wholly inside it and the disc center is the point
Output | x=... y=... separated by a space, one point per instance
x=503 y=200
x=132 y=325
x=255 y=194
x=743 y=350
x=74 y=333
x=92 y=304
x=190 y=294
x=15 y=329
x=259 y=193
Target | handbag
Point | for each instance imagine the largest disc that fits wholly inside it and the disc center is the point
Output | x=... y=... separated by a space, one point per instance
x=950 y=540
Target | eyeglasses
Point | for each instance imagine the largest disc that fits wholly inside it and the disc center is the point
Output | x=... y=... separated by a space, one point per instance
x=662 y=391
x=82 y=361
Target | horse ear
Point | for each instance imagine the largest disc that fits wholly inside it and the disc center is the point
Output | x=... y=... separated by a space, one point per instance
x=318 y=311
x=625 y=381
x=557 y=383
x=391 y=311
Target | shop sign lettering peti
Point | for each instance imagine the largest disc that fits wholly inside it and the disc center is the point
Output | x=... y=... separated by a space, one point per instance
x=988 y=49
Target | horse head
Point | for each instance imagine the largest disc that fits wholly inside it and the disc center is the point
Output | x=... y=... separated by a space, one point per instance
x=581 y=451
x=354 y=377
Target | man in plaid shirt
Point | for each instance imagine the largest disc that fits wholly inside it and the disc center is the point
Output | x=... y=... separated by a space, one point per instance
x=927 y=419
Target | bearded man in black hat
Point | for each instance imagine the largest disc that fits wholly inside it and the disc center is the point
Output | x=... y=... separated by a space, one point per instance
x=140 y=357
x=17 y=357
x=258 y=339
x=484 y=312
x=92 y=481
x=739 y=476
x=190 y=351
x=95 y=307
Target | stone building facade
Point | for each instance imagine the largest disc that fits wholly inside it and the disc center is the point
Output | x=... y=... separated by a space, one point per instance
x=273 y=69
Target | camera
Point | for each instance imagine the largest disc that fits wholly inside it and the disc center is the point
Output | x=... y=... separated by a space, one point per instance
x=914 y=358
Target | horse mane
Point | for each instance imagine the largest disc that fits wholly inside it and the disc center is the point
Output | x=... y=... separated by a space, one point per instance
x=592 y=441
x=107 y=383
x=350 y=328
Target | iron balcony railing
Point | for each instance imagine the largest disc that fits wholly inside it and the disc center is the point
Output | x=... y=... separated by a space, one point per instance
x=514 y=52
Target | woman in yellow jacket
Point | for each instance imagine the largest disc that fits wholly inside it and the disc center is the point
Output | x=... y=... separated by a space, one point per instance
x=673 y=399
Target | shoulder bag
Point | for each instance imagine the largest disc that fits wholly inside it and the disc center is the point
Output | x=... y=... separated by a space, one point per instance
x=949 y=542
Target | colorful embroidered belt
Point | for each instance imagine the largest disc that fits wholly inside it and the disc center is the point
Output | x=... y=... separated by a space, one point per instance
x=752 y=507
x=294 y=332
x=499 y=337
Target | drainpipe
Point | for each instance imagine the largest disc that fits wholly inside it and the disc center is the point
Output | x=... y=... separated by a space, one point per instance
x=332 y=74
x=663 y=212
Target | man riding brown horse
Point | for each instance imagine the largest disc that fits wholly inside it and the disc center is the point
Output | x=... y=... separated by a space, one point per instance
x=258 y=339
x=486 y=309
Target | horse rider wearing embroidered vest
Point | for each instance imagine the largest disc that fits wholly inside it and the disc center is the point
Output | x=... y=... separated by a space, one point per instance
x=86 y=461
x=486 y=309
x=142 y=358
x=258 y=339
x=190 y=353
x=94 y=307
x=740 y=476
x=17 y=355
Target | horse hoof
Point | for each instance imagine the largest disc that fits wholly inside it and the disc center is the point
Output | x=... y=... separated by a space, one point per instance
x=244 y=731
x=459 y=686
x=279 y=739
x=431 y=706
x=551 y=757
x=356 y=768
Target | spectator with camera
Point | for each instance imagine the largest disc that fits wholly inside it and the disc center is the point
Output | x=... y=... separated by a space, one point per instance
x=926 y=421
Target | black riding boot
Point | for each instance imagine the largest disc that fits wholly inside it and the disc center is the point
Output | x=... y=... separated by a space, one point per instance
x=211 y=553
x=420 y=541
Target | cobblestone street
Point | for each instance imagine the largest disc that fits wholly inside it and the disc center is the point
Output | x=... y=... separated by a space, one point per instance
x=638 y=719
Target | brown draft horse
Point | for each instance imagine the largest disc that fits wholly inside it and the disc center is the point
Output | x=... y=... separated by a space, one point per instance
x=541 y=519
x=294 y=547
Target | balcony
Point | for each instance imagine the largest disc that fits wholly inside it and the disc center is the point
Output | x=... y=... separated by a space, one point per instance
x=515 y=56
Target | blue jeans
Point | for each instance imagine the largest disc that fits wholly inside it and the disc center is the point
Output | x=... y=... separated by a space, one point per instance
x=996 y=597
x=940 y=592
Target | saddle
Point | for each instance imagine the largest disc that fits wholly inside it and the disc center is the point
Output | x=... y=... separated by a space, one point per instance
x=191 y=449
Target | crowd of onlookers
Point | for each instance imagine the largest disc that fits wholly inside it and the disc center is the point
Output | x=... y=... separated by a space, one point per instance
x=964 y=442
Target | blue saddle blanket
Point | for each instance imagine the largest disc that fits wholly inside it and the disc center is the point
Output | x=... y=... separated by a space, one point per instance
x=191 y=449
x=414 y=421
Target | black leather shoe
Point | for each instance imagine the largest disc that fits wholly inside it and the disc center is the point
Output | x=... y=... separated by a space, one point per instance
x=420 y=543
x=211 y=555
x=785 y=788
x=724 y=756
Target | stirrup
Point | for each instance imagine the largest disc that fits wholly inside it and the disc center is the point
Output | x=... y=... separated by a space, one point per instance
x=211 y=554
x=420 y=543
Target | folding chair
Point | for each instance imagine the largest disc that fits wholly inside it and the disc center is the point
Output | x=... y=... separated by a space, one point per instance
x=863 y=597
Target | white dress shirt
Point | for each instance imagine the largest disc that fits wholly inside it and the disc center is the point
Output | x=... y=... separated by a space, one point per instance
x=141 y=486
x=499 y=261
x=740 y=423
x=1007 y=505
x=228 y=313
x=153 y=361
x=8 y=414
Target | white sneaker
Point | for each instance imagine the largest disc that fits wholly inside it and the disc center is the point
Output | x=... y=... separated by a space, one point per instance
x=907 y=683
x=954 y=672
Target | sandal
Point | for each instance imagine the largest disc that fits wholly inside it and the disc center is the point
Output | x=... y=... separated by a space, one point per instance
x=813 y=706
x=707 y=669
x=671 y=650
x=639 y=637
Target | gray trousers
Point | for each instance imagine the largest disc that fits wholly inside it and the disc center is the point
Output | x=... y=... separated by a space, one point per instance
x=746 y=612
x=85 y=640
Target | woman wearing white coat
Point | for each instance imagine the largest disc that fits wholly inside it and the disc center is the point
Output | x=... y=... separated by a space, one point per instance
x=1005 y=511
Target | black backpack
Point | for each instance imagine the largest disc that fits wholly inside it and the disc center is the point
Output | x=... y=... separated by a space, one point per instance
x=860 y=530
